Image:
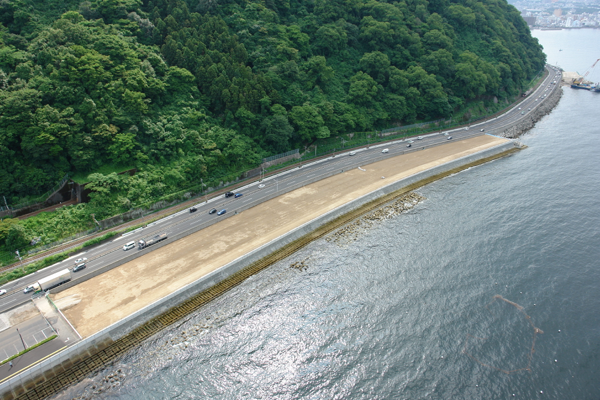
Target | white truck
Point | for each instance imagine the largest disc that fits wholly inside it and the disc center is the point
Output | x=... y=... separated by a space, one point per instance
x=155 y=239
x=50 y=281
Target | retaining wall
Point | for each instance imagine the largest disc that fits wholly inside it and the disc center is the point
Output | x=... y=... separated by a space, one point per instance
x=100 y=340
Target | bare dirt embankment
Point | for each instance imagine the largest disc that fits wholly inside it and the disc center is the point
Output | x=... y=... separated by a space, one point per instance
x=118 y=293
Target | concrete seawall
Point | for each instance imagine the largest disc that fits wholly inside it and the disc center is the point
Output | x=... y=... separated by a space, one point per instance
x=62 y=361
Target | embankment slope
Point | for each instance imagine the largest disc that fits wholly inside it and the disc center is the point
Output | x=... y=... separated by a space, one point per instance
x=118 y=293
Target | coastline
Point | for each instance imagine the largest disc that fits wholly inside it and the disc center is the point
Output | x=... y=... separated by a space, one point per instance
x=119 y=337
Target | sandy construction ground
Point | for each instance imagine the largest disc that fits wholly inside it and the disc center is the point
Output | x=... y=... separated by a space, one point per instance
x=118 y=293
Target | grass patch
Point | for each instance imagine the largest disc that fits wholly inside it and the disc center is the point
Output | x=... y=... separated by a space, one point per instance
x=29 y=349
x=100 y=239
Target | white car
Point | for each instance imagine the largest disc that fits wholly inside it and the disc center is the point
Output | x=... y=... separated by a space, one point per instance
x=385 y=150
x=128 y=246
x=262 y=185
x=482 y=130
x=2 y=292
x=352 y=153
x=420 y=138
x=28 y=289
x=80 y=260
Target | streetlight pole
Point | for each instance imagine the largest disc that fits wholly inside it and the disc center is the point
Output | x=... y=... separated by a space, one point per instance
x=22 y=341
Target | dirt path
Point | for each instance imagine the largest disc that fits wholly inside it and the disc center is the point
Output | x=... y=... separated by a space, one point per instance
x=116 y=294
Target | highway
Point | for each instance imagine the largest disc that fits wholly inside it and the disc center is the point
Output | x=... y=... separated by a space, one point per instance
x=111 y=252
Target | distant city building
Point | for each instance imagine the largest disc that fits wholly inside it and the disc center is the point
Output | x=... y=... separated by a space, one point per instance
x=558 y=14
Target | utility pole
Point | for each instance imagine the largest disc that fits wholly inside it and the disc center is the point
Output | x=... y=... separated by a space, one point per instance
x=205 y=197
x=20 y=260
x=6 y=204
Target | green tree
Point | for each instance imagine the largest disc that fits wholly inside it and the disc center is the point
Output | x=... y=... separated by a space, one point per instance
x=309 y=123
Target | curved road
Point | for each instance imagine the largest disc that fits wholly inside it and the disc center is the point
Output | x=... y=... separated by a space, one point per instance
x=289 y=180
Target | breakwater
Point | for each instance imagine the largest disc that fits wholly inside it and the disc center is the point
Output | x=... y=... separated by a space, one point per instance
x=75 y=363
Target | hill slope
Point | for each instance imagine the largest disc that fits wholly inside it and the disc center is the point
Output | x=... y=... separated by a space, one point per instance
x=200 y=88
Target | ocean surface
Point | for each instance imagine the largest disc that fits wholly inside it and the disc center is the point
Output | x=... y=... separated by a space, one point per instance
x=488 y=288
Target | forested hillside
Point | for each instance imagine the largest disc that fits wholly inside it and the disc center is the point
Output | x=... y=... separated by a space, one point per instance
x=200 y=88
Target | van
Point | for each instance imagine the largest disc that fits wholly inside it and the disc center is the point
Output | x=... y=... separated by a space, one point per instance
x=385 y=150
x=128 y=246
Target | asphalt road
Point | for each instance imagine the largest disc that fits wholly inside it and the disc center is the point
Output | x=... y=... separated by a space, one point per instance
x=30 y=332
x=253 y=194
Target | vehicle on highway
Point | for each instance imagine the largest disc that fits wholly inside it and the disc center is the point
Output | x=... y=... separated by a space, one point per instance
x=80 y=260
x=142 y=244
x=222 y=212
x=352 y=153
x=385 y=150
x=238 y=195
x=79 y=267
x=229 y=194
x=2 y=292
x=409 y=145
x=482 y=130
x=128 y=246
x=53 y=280
x=193 y=209
x=262 y=185
x=212 y=211
x=519 y=108
x=420 y=138
x=449 y=137
x=446 y=133
x=28 y=289
x=466 y=128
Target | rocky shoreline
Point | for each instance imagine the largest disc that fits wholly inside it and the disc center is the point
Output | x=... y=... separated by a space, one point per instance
x=540 y=111
x=355 y=229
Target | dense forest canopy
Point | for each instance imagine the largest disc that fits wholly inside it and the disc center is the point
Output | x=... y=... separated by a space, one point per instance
x=190 y=89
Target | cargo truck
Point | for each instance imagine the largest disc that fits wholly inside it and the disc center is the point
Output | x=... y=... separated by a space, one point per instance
x=142 y=244
x=50 y=281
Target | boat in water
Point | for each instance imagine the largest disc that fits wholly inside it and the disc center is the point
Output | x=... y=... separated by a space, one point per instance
x=580 y=86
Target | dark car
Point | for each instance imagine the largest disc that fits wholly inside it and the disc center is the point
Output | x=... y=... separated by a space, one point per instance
x=409 y=145
x=79 y=267
x=222 y=212
x=229 y=194
x=212 y=211
x=238 y=195
x=193 y=209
